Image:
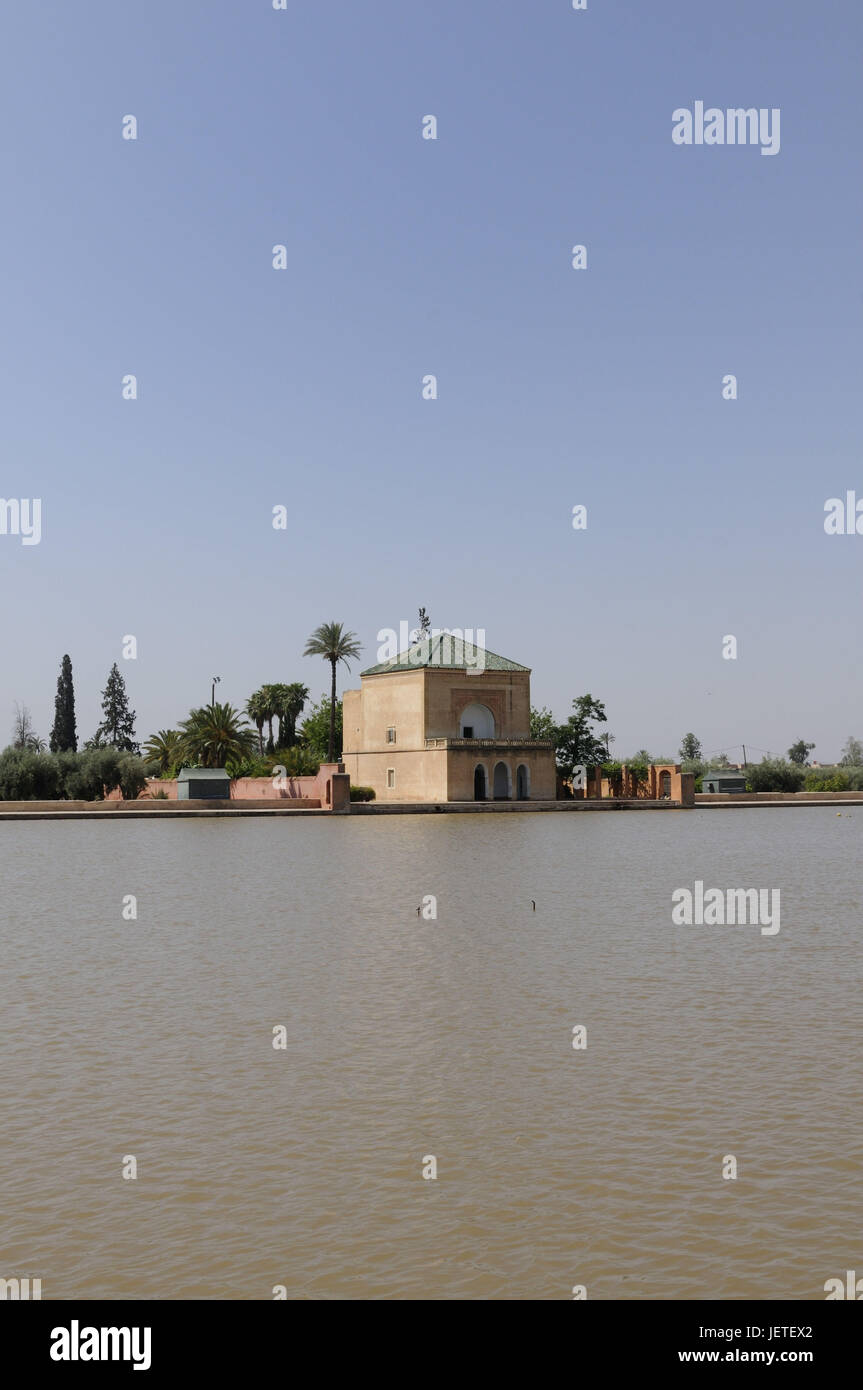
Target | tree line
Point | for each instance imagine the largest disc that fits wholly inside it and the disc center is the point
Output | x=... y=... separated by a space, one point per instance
x=213 y=735
x=579 y=742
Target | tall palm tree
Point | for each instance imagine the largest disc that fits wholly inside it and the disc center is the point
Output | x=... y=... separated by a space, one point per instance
x=164 y=749
x=334 y=644
x=278 y=696
x=270 y=697
x=256 y=709
x=292 y=706
x=216 y=735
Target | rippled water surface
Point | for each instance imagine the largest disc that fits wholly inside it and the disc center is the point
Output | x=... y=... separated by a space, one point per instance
x=408 y=1038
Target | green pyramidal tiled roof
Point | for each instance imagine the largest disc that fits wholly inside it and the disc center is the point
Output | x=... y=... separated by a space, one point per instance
x=447 y=653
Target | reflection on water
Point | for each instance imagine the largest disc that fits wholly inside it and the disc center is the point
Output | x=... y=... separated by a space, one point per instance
x=408 y=1037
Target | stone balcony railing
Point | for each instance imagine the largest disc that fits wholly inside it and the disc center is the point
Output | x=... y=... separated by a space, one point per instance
x=525 y=743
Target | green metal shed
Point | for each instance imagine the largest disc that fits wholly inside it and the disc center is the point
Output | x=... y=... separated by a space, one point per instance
x=203 y=784
x=725 y=780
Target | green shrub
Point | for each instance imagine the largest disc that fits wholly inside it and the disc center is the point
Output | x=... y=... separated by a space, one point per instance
x=49 y=780
x=298 y=761
x=17 y=774
x=827 y=779
x=362 y=793
x=29 y=776
x=133 y=775
x=838 y=778
x=67 y=764
x=774 y=775
x=85 y=776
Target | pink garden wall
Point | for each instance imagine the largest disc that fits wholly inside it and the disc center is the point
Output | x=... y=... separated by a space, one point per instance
x=329 y=788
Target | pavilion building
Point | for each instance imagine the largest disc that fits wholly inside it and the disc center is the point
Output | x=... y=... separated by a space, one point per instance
x=446 y=720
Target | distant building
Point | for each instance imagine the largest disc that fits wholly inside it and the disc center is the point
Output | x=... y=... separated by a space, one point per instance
x=724 y=780
x=446 y=721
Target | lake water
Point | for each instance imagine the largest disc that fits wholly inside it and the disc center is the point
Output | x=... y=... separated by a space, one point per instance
x=409 y=1037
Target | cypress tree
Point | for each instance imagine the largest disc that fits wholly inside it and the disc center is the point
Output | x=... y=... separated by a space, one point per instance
x=63 y=735
x=118 y=723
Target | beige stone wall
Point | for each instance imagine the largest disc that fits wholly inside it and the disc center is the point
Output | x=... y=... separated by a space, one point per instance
x=462 y=763
x=440 y=774
x=419 y=775
x=352 y=717
x=385 y=701
x=506 y=693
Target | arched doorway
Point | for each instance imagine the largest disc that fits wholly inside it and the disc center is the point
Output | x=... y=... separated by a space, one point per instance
x=479 y=786
x=664 y=786
x=522 y=783
x=476 y=721
x=502 y=789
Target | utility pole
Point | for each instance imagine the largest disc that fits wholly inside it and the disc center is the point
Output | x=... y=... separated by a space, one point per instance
x=743 y=746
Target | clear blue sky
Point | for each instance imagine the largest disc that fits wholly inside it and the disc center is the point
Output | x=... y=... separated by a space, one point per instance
x=407 y=257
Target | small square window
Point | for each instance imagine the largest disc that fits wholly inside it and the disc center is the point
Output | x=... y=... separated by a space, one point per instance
x=468 y=731
x=391 y=776
x=391 y=735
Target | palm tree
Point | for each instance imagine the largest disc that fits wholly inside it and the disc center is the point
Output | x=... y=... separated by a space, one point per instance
x=270 y=696
x=256 y=709
x=334 y=644
x=164 y=749
x=278 y=698
x=216 y=735
x=287 y=704
x=290 y=709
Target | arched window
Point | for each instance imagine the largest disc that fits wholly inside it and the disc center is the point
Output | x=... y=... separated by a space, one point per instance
x=477 y=721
